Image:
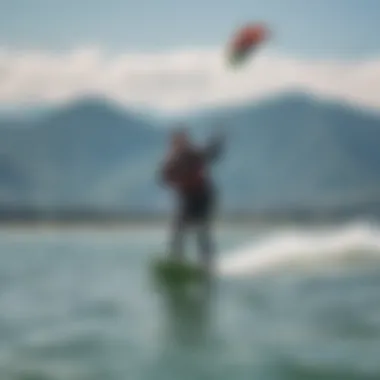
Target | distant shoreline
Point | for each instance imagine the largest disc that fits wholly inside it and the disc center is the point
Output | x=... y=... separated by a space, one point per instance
x=135 y=220
x=70 y=217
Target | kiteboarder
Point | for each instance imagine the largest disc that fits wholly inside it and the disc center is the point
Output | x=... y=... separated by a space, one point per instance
x=186 y=171
x=186 y=168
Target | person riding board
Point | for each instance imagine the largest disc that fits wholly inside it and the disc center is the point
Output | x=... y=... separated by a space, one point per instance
x=186 y=171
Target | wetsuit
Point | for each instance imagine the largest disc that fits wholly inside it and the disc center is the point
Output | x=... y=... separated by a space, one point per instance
x=186 y=172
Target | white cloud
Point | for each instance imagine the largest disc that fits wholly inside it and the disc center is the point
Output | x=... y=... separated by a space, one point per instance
x=178 y=81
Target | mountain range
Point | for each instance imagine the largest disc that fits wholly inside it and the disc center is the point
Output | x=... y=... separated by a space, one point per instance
x=293 y=151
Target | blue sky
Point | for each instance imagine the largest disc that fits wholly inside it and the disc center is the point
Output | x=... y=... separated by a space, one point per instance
x=311 y=28
x=165 y=54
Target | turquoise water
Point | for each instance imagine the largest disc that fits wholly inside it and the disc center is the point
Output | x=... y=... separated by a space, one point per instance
x=287 y=303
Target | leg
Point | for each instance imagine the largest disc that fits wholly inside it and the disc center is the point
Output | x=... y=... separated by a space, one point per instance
x=177 y=238
x=179 y=226
x=206 y=212
x=205 y=244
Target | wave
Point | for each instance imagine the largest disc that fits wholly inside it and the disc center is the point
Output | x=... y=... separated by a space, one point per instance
x=299 y=248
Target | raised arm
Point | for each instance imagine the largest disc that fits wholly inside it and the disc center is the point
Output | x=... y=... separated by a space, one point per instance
x=214 y=148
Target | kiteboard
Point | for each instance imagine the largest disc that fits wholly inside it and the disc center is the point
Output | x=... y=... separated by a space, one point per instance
x=177 y=273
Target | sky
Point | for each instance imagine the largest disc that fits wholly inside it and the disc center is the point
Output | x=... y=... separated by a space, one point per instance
x=168 y=54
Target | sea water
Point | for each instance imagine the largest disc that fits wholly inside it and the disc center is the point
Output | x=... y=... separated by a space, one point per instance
x=287 y=302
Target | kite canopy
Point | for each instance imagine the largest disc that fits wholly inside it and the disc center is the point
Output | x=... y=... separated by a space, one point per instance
x=246 y=41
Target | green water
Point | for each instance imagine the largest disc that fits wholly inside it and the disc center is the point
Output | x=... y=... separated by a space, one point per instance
x=79 y=304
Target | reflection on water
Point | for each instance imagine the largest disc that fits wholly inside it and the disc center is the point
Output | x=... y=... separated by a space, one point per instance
x=188 y=312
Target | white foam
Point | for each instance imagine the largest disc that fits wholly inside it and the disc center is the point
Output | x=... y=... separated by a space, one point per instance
x=298 y=248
